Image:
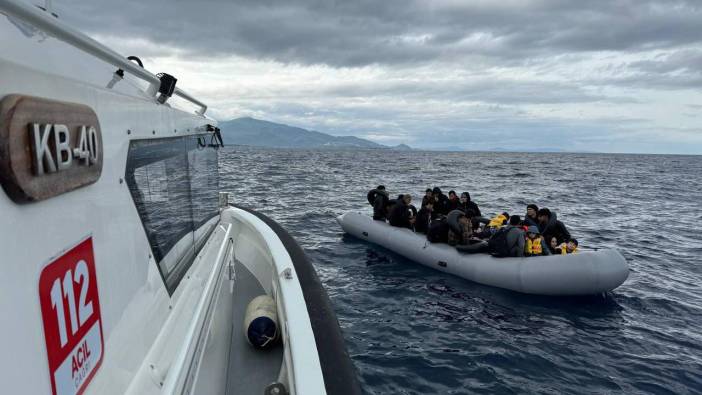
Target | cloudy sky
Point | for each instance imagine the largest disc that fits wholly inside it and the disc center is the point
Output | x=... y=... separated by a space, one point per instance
x=596 y=75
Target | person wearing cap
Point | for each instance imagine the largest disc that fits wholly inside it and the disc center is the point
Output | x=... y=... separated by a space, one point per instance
x=535 y=244
x=530 y=217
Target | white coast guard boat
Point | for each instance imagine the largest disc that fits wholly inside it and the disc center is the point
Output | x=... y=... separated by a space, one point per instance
x=123 y=270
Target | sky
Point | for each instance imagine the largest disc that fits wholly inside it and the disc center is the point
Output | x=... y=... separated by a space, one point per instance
x=596 y=75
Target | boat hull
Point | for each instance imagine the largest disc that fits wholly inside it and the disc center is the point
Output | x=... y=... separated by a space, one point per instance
x=585 y=273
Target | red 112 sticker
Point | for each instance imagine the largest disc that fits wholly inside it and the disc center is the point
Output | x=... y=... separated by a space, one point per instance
x=70 y=310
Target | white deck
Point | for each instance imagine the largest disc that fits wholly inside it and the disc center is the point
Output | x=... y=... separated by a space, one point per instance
x=153 y=342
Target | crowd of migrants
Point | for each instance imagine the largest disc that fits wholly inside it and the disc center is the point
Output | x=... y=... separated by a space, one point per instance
x=459 y=222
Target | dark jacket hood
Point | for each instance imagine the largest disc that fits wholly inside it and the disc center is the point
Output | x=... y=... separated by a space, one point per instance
x=550 y=224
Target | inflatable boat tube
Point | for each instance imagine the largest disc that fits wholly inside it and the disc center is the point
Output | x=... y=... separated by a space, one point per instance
x=584 y=273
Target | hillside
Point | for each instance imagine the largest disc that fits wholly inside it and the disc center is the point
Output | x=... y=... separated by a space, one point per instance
x=255 y=132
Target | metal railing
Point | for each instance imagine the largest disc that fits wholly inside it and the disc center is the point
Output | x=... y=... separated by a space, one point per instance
x=49 y=24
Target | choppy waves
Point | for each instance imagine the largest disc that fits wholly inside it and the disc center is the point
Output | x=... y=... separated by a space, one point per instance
x=411 y=330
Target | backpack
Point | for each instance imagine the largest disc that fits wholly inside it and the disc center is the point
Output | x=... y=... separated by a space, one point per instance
x=497 y=245
x=437 y=231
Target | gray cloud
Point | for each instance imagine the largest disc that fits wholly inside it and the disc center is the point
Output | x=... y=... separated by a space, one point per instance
x=499 y=91
x=669 y=70
x=610 y=75
x=356 y=33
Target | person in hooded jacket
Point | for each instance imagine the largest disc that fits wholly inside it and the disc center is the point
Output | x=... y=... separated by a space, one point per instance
x=424 y=217
x=551 y=227
x=378 y=198
x=471 y=209
x=535 y=244
x=516 y=237
x=468 y=206
x=401 y=214
x=440 y=201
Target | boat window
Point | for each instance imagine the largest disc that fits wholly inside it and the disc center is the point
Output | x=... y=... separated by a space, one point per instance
x=204 y=186
x=174 y=184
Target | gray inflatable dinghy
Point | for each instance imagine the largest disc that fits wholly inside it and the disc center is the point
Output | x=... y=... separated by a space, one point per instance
x=584 y=273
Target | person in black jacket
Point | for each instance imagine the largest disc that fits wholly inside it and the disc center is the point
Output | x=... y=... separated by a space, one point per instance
x=516 y=237
x=401 y=214
x=472 y=210
x=440 y=201
x=550 y=227
x=378 y=198
x=428 y=197
x=425 y=215
x=453 y=201
x=530 y=218
x=468 y=206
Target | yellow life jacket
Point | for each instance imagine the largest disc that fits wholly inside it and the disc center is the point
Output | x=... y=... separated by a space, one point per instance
x=533 y=247
x=564 y=249
x=497 y=221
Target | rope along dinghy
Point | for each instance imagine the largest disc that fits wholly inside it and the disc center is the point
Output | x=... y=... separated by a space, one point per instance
x=584 y=273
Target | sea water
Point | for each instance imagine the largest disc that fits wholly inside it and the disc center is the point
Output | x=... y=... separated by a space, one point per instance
x=413 y=330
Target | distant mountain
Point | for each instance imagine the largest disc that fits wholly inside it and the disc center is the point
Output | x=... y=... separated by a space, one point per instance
x=250 y=131
x=401 y=147
x=449 y=148
x=529 y=150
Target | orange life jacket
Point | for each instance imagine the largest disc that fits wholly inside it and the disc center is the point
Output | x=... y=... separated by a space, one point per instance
x=533 y=247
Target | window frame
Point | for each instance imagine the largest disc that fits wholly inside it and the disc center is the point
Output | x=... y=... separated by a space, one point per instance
x=139 y=156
